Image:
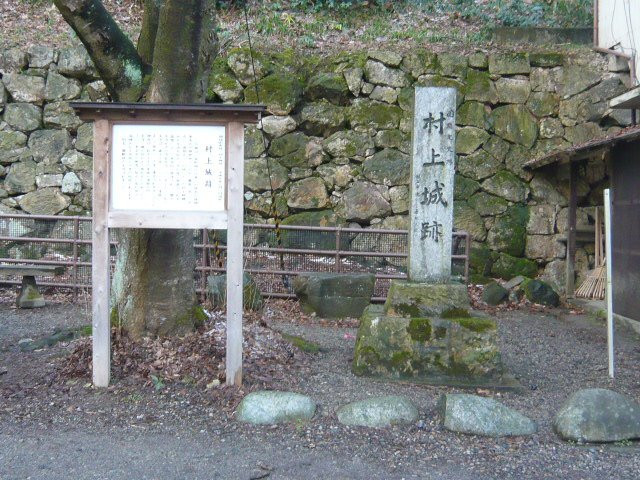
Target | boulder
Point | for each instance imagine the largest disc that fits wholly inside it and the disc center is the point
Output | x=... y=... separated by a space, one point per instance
x=515 y=124
x=476 y=415
x=363 y=201
x=272 y=407
x=387 y=167
x=217 y=291
x=488 y=205
x=369 y=114
x=480 y=88
x=513 y=90
x=509 y=231
x=509 y=63
x=84 y=138
x=279 y=92
x=330 y=86
x=308 y=194
x=23 y=116
x=598 y=415
x=348 y=144
x=353 y=77
x=25 y=88
x=473 y=114
x=278 y=125
x=507 y=266
x=60 y=115
x=225 y=86
x=71 y=183
x=76 y=161
x=322 y=118
x=378 y=412
x=41 y=56
x=540 y=292
x=263 y=174
x=13 y=60
x=393 y=139
x=455 y=351
x=49 y=145
x=46 y=201
x=494 y=293
x=479 y=165
x=59 y=87
x=469 y=139
x=21 y=177
x=12 y=145
x=332 y=295
x=380 y=74
x=244 y=67
x=505 y=184
x=75 y=62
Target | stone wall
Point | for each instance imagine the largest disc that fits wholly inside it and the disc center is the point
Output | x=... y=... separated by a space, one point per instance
x=338 y=140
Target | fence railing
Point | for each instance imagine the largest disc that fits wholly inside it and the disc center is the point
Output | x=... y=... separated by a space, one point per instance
x=273 y=257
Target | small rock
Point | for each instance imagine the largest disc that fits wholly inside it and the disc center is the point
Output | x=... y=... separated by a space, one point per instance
x=541 y=292
x=378 y=412
x=476 y=415
x=598 y=415
x=271 y=407
x=494 y=293
x=514 y=282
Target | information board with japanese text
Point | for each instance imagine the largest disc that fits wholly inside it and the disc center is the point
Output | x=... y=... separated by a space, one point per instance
x=168 y=167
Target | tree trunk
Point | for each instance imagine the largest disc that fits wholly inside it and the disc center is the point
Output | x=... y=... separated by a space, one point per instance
x=153 y=287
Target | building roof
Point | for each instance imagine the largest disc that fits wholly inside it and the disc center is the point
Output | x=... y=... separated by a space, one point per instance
x=585 y=150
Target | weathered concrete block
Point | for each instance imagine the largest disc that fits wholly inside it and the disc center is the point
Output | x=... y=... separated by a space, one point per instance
x=29 y=296
x=333 y=295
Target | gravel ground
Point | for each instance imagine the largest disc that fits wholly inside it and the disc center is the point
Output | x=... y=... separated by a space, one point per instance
x=52 y=429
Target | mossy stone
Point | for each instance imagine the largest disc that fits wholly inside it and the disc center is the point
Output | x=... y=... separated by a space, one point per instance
x=453 y=65
x=488 y=205
x=546 y=59
x=464 y=187
x=494 y=293
x=507 y=267
x=263 y=174
x=412 y=299
x=543 y=104
x=348 y=144
x=254 y=144
x=374 y=115
x=507 y=185
x=387 y=167
x=288 y=144
x=469 y=139
x=540 y=292
x=509 y=63
x=467 y=219
x=515 y=124
x=279 y=92
x=322 y=118
x=473 y=114
x=509 y=232
x=313 y=239
x=480 y=87
x=479 y=165
x=419 y=62
x=330 y=86
x=481 y=259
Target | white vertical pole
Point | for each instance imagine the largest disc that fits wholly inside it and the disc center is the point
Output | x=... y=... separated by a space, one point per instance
x=235 y=225
x=609 y=261
x=100 y=265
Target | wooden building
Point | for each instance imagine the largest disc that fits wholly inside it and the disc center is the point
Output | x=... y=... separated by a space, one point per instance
x=622 y=154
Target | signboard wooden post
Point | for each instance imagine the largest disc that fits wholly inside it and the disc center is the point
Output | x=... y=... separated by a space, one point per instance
x=167 y=166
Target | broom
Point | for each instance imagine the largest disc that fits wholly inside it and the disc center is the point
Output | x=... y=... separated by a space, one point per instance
x=594 y=286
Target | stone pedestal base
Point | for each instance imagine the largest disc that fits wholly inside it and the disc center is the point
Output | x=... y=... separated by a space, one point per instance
x=410 y=299
x=29 y=296
x=424 y=334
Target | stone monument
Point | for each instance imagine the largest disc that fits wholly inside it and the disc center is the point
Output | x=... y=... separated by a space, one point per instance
x=424 y=331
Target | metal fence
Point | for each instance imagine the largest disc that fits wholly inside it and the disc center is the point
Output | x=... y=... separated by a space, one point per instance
x=272 y=258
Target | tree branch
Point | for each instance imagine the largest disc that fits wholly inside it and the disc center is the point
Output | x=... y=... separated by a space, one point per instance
x=185 y=47
x=113 y=54
x=147 y=38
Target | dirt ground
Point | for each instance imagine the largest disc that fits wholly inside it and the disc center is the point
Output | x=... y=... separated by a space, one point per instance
x=55 y=428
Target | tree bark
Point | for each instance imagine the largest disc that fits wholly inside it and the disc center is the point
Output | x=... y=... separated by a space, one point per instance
x=153 y=288
x=118 y=63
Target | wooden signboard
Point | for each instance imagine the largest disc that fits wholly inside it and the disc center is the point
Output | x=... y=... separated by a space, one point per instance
x=167 y=166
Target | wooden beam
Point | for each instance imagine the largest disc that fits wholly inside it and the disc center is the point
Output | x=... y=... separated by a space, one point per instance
x=571 y=231
x=100 y=264
x=235 y=206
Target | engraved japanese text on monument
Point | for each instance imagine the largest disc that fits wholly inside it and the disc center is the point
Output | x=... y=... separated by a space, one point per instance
x=432 y=177
x=169 y=168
